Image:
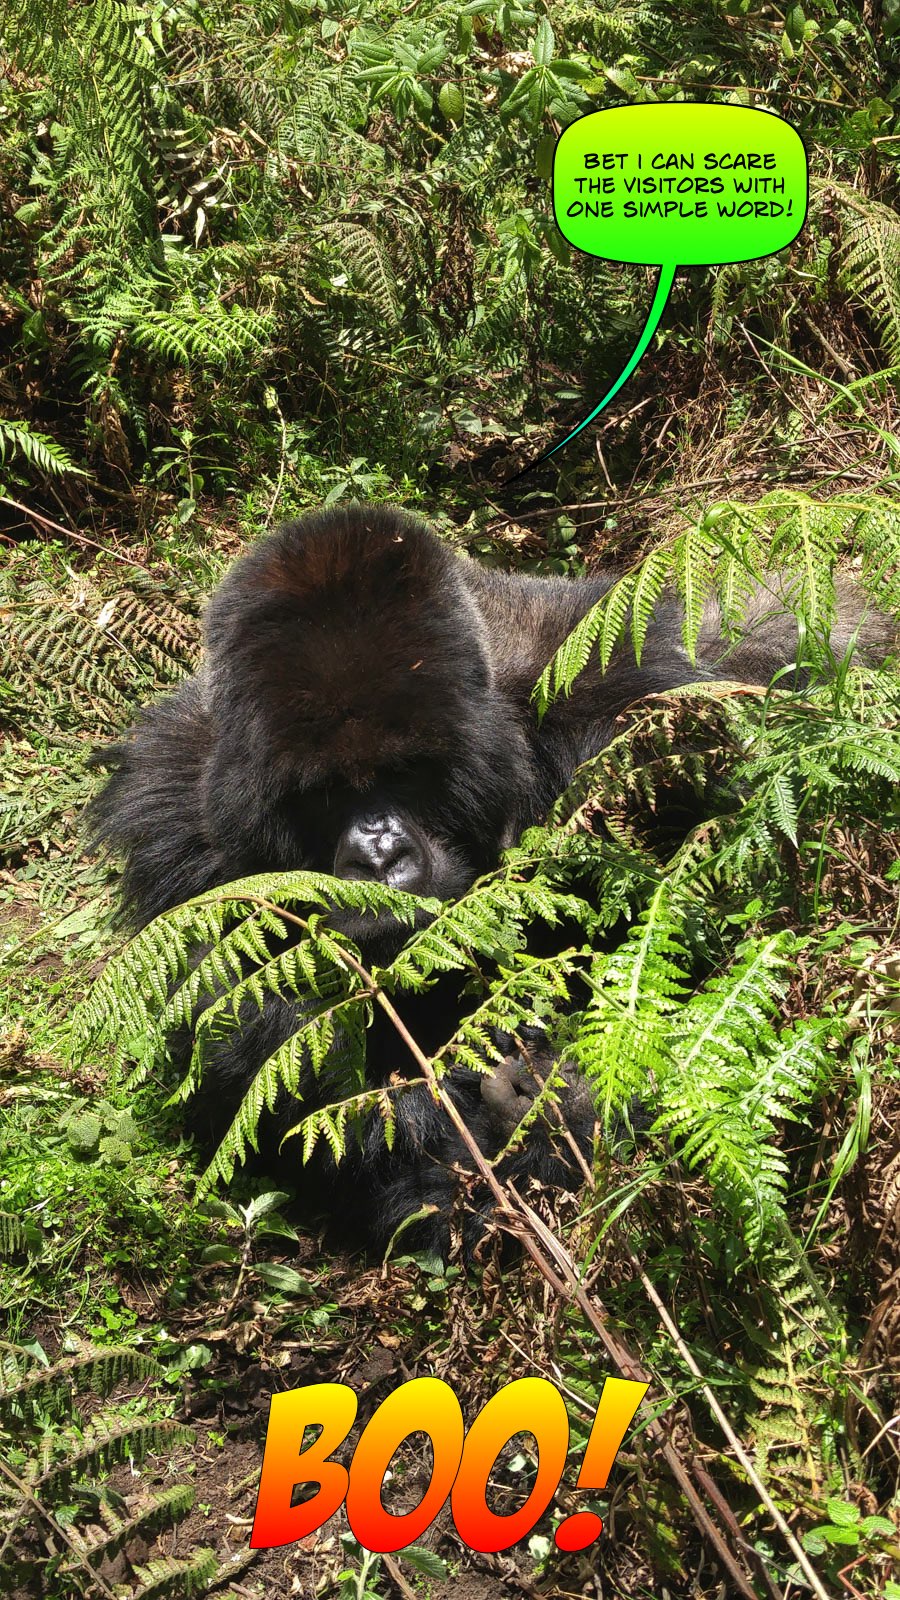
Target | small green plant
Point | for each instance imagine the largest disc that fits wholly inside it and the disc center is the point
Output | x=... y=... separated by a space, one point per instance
x=359 y=1580
x=102 y=1132
x=847 y=1526
x=261 y=1217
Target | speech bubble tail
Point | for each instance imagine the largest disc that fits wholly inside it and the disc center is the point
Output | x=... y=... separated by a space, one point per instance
x=660 y=300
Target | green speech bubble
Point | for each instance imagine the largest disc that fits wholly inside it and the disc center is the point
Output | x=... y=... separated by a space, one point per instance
x=677 y=185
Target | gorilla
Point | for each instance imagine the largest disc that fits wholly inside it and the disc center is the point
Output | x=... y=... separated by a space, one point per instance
x=363 y=708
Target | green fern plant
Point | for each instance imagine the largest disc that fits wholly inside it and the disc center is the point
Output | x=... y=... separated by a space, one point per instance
x=367 y=260
x=719 y=558
x=870 y=259
x=84 y=646
x=64 y=1427
x=187 y=332
x=101 y=70
x=786 y=1347
x=17 y=1235
x=49 y=1446
x=21 y=442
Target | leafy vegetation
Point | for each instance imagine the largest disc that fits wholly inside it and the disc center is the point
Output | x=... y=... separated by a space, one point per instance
x=308 y=207
x=52 y=1446
x=268 y=254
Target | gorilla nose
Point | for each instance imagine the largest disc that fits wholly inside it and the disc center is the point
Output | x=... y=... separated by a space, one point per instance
x=382 y=850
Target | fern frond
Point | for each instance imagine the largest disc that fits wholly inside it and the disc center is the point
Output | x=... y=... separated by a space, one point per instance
x=107 y=1440
x=732 y=1078
x=171 y=1576
x=166 y=1508
x=604 y=623
x=622 y=1044
x=723 y=557
x=38 y=449
x=652 y=576
x=209 y=335
x=16 y=1237
x=97 y=1370
x=870 y=264
x=693 y=559
x=367 y=261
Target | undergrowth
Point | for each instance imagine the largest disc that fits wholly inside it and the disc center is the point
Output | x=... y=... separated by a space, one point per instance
x=244 y=237
x=701 y=950
x=261 y=255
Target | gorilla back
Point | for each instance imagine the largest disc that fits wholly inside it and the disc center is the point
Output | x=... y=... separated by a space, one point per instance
x=364 y=709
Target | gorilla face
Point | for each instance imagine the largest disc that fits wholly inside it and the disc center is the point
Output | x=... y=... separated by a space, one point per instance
x=396 y=830
x=378 y=838
x=356 y=726
x=386 y=834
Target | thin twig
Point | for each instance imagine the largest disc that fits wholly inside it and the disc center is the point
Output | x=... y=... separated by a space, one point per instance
x=756 y=1482
x=849 y=371
x=397 y=1577
x=281 y=465
x=71 y=533
x=28 y=1494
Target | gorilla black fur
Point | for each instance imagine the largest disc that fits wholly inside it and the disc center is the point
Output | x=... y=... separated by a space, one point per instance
x=364 y=708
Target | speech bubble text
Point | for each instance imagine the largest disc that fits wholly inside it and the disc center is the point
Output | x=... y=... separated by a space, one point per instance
x=676 y=186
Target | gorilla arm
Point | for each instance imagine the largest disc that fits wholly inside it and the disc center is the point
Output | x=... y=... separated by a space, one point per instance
x=527 y=619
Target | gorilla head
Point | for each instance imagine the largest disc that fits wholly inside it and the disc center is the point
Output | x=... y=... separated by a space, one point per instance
x=346 y=718
x=358 y=729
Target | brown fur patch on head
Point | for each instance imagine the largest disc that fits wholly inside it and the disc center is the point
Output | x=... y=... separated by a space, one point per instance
x=352 y=640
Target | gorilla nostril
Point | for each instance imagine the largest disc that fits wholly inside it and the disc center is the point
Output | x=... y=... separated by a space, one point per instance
x=353 y=867
x=405 y=870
